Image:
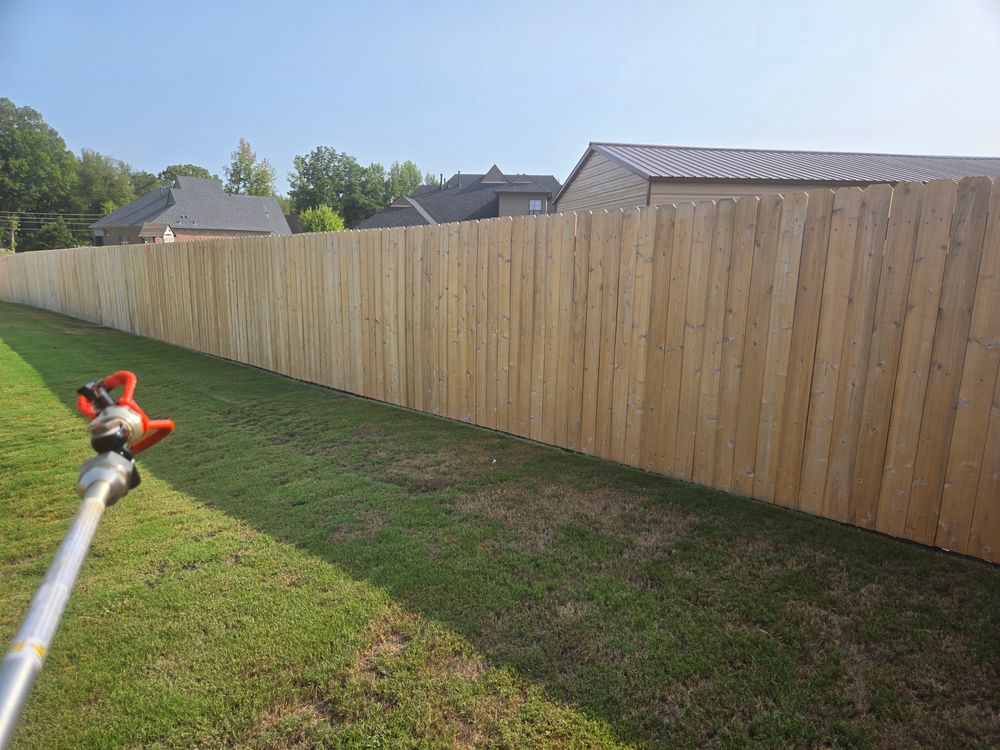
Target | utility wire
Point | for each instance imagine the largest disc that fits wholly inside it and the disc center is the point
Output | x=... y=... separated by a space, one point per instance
x=47 y=213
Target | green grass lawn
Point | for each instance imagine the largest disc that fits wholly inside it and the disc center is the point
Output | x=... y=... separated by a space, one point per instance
x=302 y=568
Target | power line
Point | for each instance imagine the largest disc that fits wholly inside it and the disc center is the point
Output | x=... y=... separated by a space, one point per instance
x=43 y=214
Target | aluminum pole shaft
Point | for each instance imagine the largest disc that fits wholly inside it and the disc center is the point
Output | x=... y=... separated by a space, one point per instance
x=27 y=652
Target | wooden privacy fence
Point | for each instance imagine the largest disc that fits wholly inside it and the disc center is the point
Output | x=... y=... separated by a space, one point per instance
x=835 y=352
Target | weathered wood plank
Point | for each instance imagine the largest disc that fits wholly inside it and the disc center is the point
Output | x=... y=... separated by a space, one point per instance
x=737 y=307
x=970 y=465
x=883 y=358
x=766 y=239
x=857 y=332
x=720 y=261
x=915 y=355
x=702 y=239
x=951 y=338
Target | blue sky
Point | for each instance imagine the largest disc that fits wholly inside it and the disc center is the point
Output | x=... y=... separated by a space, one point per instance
x=458 y=86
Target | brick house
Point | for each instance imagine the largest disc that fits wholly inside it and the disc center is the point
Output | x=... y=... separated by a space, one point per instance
x=195 y=208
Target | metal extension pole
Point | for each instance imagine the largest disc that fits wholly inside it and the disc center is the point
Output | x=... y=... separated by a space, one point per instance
x=24 y=659
x=118 y=431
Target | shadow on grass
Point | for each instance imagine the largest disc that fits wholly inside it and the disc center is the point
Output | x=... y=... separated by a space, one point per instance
x=679 y=615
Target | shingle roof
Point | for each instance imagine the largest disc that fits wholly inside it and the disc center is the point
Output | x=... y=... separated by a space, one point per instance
x=681 y=162
x=464 y=197
x=200 y=203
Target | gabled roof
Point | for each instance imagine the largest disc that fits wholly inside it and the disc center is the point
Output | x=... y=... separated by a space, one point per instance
x=464 y=197
x=494 y=176
x=200 y=203
x=152 y=230
x=745 y=164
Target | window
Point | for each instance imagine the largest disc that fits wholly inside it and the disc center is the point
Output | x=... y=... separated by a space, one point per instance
x=534 y=205
x=122 y=239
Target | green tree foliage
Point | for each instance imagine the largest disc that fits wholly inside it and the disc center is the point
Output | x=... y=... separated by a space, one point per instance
x=403 y=179
x=327 y=176
x=143 y=182
x=245 y=175
x=10 y=235
x=367 y=195
x=432 y=179
x=37 y=171
x=169 y=173
x=323 y=176
x=102 y=183
x=321 y=219
x=53 y=235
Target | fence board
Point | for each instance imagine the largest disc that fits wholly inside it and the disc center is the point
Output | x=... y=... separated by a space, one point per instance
x=968 y=460
x=720 y=262
x=527 y=332
x=673 y=341
x=915 y=355
x=887 y=328
x=578 y=332
x=652 y=446
x=694 y=337
x=737 y=306
x=829 y=347
x=779 y=342
x=564 y=330
x=947 y=358
x=609 y=313
x=857 y=335
x=765 y=250
x=592 y=353
x=503 y=284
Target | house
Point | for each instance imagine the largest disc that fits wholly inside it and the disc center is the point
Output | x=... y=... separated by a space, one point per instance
x=195 y=208
x=623 y=175
x=469 y=196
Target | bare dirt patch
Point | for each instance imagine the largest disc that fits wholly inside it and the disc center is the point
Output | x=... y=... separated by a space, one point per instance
x=291 y=727
x=535 y=512
x=367 y=523
x=421 y=471
x=387 y=638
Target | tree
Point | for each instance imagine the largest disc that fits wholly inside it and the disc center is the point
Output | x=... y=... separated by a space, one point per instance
x=245 y=175
x=53 y=235
x=326 y=176
x=102 y=183
x=143 y=182
x=322 y=176
x=403 y=179
x=12 y=226
x=321 y=219
x=432 y=179
x=37 y=171
x=169 y=174
x=365 y=194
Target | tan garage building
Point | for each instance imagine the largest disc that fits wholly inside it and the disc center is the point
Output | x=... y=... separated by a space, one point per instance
x=624 y=175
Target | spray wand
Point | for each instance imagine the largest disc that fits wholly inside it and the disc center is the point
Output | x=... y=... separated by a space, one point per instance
x=119 y=430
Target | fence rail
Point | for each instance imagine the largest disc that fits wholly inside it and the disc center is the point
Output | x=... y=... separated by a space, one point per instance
x=835 y=352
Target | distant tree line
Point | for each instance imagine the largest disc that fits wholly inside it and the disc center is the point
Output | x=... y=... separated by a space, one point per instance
x=49 y=195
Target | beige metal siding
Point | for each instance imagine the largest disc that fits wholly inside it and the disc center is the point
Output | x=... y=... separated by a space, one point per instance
x=516 y=204
x=678 y=192
x=602 y=183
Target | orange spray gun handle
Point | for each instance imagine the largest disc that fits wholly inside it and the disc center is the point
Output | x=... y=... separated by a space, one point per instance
x=96 y=396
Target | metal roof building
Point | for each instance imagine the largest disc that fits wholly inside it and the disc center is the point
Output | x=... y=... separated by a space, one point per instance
x=619 y=175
